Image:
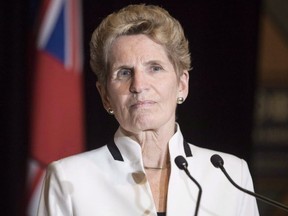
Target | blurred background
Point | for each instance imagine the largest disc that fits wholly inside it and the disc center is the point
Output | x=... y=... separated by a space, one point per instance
x=269 y=162
x=238 y=101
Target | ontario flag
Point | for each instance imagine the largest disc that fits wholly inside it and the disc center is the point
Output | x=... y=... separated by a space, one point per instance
x=57 y=126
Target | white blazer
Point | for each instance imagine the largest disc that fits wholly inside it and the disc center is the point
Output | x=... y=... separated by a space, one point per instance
x=111 y=181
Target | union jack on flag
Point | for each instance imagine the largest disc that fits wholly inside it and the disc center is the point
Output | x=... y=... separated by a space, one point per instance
x=57 y=126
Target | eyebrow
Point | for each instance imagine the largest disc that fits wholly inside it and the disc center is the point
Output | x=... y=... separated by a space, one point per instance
x=116 y=68
x=150 y=62
x=153 y=62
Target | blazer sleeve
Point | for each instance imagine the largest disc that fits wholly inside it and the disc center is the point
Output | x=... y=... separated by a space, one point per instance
x=55 y=199
x=248 y=204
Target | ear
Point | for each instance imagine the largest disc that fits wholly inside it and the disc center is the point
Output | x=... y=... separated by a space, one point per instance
x=104 y=97
x=184 y=84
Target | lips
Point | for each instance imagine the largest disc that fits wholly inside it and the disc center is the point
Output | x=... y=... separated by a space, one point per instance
x=142 y=104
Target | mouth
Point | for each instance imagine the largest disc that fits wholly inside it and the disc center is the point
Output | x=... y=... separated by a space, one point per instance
x=142 y=104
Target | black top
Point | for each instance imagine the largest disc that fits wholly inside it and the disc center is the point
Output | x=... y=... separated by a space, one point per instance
x=161 y=213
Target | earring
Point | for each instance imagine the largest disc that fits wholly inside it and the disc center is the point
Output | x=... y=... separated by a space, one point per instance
x=110 y=111
x=180 y=100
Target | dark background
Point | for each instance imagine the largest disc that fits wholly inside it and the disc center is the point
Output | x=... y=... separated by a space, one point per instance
x=218 y=113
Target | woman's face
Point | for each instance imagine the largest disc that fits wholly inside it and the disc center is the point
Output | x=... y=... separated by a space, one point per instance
x=142 y=87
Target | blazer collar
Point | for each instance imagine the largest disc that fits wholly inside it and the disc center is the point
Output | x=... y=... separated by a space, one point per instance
x=124 y=148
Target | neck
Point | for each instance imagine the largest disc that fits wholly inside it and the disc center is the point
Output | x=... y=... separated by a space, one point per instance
x=154 y=145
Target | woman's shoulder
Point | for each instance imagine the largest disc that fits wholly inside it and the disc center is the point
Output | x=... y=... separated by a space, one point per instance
x=205 y=154
x=80 y=168
x=234 y=165
x=83 y=159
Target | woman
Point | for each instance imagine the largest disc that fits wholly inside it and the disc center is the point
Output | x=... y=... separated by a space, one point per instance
x=141 y=58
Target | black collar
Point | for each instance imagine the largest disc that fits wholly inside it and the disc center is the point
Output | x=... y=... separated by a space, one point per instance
x=116 y=154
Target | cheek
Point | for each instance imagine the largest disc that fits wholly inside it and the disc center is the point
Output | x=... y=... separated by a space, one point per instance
x=118 y=101
x=118 y=94
x=115 y=100
x=113 y=93
x=169 y=91
x=118 y=88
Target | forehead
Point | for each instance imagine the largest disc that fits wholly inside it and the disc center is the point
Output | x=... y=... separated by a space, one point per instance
x=134 y=48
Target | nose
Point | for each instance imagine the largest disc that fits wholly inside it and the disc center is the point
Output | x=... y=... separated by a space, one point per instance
x=138 y=82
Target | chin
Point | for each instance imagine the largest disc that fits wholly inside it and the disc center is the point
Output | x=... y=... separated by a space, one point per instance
x=144 y=126
x=141 y=125
x=144 y=121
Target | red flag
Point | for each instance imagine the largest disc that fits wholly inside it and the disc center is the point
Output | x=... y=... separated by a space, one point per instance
x=57 y=126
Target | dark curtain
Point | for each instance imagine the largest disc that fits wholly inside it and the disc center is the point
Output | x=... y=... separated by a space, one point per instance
x=218 y=113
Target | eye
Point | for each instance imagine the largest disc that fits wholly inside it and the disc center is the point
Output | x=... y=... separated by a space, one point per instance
x=124 y=73
x=156 y=68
